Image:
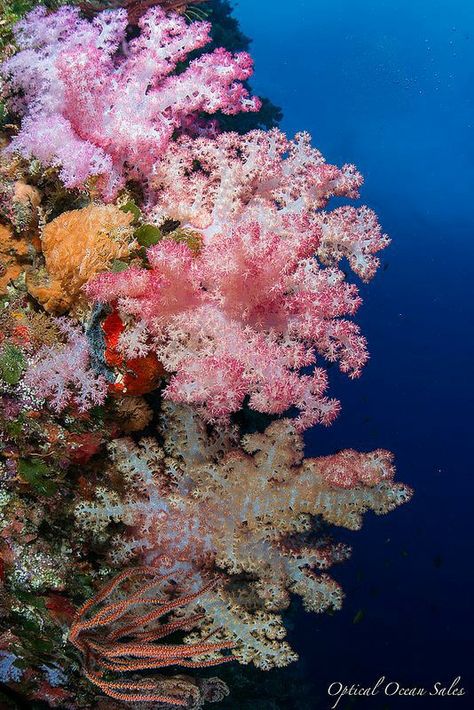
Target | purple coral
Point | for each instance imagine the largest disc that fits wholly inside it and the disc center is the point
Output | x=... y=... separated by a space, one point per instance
x=61 y=374
x=95 y=104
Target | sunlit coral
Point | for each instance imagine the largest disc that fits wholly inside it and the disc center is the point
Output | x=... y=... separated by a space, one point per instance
x=96 y=104
x=280 y=183
x=243 y=317
x=264 y=296
x=163 y=278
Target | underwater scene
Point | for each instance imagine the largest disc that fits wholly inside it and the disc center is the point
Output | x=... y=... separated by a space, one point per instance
x=236 y=338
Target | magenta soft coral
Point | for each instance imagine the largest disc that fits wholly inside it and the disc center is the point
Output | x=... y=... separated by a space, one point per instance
x=285 y=184
x=243 y=317
x=96 y=104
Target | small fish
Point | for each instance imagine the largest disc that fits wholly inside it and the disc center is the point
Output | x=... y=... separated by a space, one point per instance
x=404 y=553
x=358 y=617
x=438 y=561
x=385 y=266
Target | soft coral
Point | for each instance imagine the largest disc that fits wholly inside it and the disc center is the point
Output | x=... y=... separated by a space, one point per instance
x=96 y=104
x=242 y=317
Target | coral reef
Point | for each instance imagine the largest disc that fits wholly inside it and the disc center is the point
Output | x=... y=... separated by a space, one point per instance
x=257 y=292
x=241 y=318
x=51 y=444
x=135 y=375
x=62 y=375
x=226 y=32
x=12 y=253
x=19 y=201
x=266 y=178
x=102 y=638
x=172 y=292
x=76 y=246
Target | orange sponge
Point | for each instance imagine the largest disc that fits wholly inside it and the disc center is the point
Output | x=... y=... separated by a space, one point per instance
x=76 y=246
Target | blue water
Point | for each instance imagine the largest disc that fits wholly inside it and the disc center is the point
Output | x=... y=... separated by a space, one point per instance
x=388 y=85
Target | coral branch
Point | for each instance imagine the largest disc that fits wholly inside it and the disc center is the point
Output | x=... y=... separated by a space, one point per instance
x=97 y=637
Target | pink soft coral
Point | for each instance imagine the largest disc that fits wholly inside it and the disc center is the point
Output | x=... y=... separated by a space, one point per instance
x=96 y=104
x=62 y=375
x=249 y=513
x=285 y=184
x=242 y=317
x=263 y=297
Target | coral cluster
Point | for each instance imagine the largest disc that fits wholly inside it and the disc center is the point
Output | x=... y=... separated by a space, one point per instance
x=110 y=651
x=263 y=297
x=77 y=245
x=201 y=503
x=172 y=293
x=264 y=177
x=101 y=106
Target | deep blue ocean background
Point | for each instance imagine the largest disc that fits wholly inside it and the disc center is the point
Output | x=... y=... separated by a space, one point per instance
x=389 y=86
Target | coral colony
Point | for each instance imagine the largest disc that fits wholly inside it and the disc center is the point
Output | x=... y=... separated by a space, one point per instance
x=172 y=293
